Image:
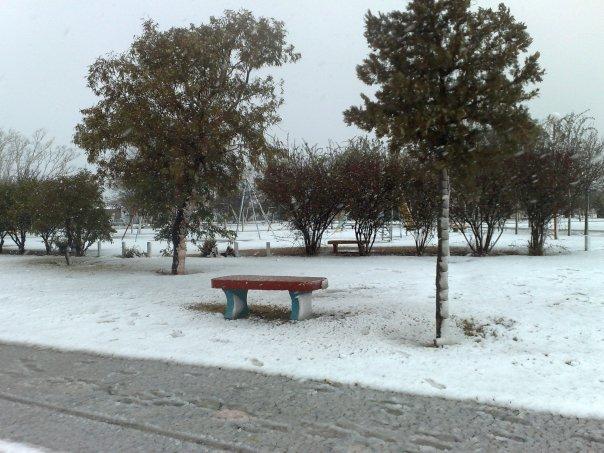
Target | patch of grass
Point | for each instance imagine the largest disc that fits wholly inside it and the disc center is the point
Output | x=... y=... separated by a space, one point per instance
x=257 y=311
x=471 y=328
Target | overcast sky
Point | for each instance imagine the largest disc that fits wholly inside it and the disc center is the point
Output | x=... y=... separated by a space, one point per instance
x=46 y=47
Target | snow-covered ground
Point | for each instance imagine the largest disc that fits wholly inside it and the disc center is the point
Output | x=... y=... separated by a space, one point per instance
x=14 y=447
x=530 y=331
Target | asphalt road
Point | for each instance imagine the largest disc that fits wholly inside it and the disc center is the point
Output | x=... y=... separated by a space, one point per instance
x=72 y=401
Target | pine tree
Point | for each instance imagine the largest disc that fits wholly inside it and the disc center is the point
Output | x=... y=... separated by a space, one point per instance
x=442 y=71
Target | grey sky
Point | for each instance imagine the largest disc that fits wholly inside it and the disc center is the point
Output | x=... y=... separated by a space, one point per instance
x=46 y=47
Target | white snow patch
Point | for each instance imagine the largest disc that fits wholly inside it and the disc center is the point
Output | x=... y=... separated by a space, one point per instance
x=527 y=330
x=14 y=447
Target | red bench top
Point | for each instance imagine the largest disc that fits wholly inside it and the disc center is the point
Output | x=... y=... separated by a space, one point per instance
x=270 y=282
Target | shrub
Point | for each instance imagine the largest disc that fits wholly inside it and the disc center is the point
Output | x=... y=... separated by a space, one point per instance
x=208 y=246
x=420 y=200
x=303 y=183
x=545 y=175
x=371 y=187
x=483 y=194
x=132 y=252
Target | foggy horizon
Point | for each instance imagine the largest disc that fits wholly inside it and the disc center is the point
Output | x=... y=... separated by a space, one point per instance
x=49 y=46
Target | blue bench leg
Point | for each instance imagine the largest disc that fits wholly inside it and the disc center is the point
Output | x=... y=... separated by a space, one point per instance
x=301 y=305
x=236 y=303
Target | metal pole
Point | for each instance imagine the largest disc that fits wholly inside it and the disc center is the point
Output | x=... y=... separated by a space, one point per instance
x=586 y=232
x=148 y=249
x=570 y=214
x=255 y=218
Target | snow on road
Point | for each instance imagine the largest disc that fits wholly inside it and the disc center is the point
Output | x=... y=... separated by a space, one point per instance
x=14 y=447
x=529 y=329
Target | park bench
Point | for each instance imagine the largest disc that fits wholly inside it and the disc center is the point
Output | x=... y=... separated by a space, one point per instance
x=300 y=289
x=336 y=242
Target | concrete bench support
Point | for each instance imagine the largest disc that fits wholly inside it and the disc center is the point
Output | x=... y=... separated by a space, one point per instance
x=301 y=305
x=236 y=304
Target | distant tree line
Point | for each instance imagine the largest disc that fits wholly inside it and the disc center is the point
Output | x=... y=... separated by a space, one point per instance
x=40 y=196
x=549 y=171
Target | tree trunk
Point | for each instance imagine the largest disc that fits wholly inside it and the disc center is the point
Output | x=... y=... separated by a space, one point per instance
x=46 y=238
x=21 y=243
x=2 y=236
x=538 y=230
x=442 y=263
x=179 y=243
x=556 y=225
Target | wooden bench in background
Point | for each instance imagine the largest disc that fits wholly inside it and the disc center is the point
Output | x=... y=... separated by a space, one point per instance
x=300 y=289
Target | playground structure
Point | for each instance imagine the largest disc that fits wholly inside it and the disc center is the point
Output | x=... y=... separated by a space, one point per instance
x=249 y=202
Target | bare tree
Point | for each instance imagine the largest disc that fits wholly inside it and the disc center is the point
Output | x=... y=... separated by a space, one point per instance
x=35 y=157
x=581 y=138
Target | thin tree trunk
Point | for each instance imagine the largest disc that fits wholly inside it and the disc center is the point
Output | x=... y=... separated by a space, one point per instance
x=442 y=263
x=47 y=239
x=2 y=236
x=179 y=243
x=516 y=225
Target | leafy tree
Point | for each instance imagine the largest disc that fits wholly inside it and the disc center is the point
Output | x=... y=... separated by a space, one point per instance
x=484 y=193
x=46 y=209
x=420 y=197
x=371 y=187
x=303 y=183
x=444 y=70
x=20 y=195
x=5 y=204
x=598 y=203
x=85 y=219
x=182 y=111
